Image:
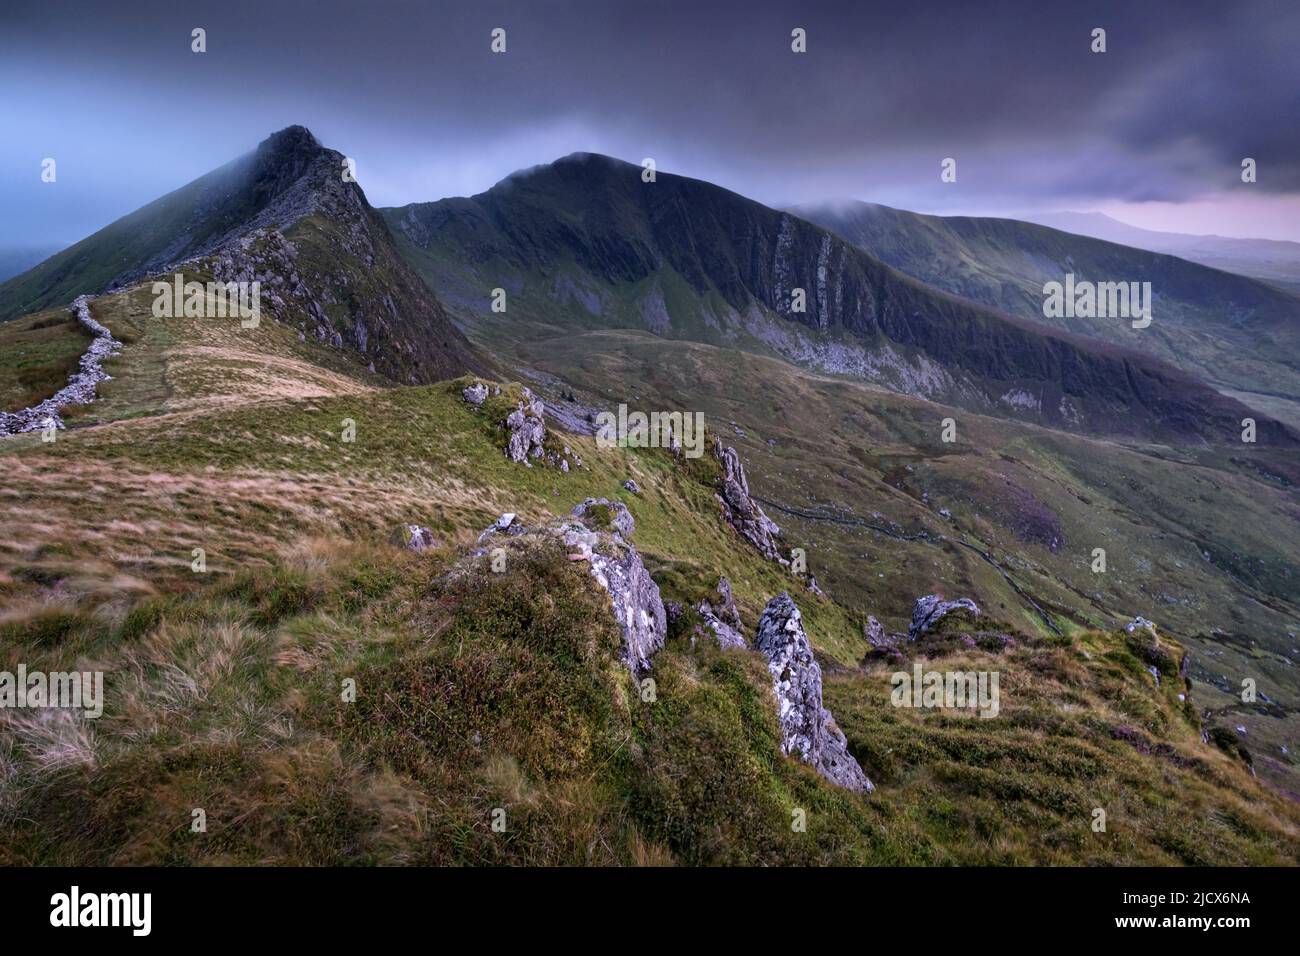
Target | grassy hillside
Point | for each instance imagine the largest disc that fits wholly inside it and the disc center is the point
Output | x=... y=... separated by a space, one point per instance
x=168 y=229
x=17 y=259
x=861 y=478
x=37 y=354
x=478 y=691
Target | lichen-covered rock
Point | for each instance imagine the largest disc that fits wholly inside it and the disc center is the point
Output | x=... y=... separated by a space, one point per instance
x=740 y=510
x=632 y=486
x=527 y=430
x=605 y=515
x=888 y=647
x=414 y=537
x=931 y=609
x=808 y=730
x=475 y=394
x=721 y=617
x=1140 y=623
x=527 y=434
x=617 y=567
x=726 y=635
x=508 y=524
x=613 y=563
x=724 y=604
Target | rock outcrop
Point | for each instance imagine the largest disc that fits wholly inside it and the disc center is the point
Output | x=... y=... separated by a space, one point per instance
x=721 y=617
x=884 y=646
x=600 y=540
x=740 y=510
x=527 y=429
x=931 y=609
x=508 y=524
x=808 y=730
x=617 y=567
x=414 y=537
x=80 y=389
x=601 y=514
x=475 y=394
x=1140 y=623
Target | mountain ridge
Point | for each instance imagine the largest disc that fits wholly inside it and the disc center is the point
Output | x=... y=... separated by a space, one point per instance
x=572 y=236
x=1222 y=327
x=282 y=214
x=1276 y=260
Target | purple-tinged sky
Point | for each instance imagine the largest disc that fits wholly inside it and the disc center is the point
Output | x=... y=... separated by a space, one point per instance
x=1152 y=131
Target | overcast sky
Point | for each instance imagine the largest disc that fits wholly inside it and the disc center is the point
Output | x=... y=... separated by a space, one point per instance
x=1153 y=131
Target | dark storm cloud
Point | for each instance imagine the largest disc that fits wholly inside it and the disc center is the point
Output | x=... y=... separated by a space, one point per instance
x=886 y=91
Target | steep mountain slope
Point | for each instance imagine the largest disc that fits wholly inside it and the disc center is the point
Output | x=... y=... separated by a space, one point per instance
x=485 y=696
x=586 y=243
x=1224 y=328
x=1274 y=260
x=284 y=215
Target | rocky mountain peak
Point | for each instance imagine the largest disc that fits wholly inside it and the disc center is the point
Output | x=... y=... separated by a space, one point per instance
x=291 y=139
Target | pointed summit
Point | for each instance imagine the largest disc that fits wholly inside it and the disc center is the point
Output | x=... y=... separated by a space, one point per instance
x=290 y=138
x=264 y=186
x=287 y=216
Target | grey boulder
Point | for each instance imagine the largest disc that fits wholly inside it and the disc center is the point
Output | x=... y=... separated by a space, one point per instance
x=931 y=609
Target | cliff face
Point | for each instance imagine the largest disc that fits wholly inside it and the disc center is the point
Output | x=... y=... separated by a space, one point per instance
x=581 y=235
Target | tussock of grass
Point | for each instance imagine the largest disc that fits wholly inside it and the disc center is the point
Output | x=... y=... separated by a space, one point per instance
x=478 y=692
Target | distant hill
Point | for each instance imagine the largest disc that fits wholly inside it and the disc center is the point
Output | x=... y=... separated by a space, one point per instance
x=1227 y=329
x=19 y=259
x=1276 y=260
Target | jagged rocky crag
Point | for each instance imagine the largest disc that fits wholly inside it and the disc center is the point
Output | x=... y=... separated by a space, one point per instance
x=285 y=216
x=597 y=533
x=721 y=617
x=524 y=426
x=80 y=389
x=808 y=730
x=740 y=510
x=526 y=429
x=931 y=609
